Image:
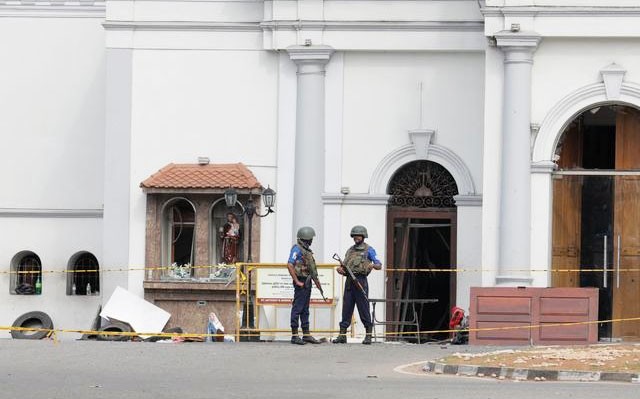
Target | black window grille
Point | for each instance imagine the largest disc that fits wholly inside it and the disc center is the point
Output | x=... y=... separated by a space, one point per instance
x=422 y=184
x=86 y=275
x=29 y=270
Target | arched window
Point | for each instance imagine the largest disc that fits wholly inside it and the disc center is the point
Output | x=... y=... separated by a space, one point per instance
x=179 y=234
x=227 y=235
x=84 y=275
x=422 y=184
x=28 y=269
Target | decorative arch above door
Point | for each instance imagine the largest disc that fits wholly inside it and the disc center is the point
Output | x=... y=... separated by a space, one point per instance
x=422 y=184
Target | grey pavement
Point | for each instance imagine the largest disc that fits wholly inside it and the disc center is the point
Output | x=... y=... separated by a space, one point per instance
x=87 y=369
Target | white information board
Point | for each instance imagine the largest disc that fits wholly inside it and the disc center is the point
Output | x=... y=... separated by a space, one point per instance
x=274 y=286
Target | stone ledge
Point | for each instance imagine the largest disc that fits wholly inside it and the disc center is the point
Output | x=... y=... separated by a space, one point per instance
x=529 y=374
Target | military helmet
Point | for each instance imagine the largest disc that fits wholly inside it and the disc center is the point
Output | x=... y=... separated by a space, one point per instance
x=359 y=231
x=306 y=233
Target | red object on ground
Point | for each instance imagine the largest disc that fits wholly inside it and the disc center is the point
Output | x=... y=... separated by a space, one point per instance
x=457 y=314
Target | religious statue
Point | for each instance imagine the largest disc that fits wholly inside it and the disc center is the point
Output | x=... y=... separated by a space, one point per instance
x=230 y=236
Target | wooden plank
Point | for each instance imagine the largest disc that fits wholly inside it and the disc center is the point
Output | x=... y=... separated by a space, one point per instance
x=566 y=229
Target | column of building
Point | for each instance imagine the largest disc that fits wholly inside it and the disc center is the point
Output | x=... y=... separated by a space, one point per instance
x=515 y=188
x=310 y=138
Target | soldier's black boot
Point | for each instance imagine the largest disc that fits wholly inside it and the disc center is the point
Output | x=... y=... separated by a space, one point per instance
x=367 y=337
x=342 y=337
x=295 y=338
x=306 y=337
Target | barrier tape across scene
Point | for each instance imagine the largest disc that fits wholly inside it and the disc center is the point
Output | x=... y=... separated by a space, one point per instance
x=53 y=332
x=389 y=269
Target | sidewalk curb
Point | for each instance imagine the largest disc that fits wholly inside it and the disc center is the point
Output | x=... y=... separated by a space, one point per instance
x=529 y=374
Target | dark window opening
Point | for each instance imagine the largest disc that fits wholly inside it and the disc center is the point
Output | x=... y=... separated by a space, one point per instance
x=86 y=276
x=181 y=229
x=599 y=147
x=589 y=142
x=29 y=273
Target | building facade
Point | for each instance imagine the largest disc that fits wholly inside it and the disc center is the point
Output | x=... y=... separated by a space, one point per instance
x=460 y=132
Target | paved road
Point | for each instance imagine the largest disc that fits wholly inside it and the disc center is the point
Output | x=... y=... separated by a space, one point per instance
x=74 y=369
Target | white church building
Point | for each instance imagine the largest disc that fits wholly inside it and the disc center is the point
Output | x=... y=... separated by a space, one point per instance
x=496 y=138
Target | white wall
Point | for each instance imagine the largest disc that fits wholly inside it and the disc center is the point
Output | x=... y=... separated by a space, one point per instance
x=557 y=3
x=55 y=241
x=382 y=102
x=51 y=157
x=469 y=253
x=186 y=104
x=492 y=160
x=374 y=218
x=563 y=65
x=52 y=112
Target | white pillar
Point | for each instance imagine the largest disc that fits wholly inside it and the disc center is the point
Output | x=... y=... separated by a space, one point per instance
x=468 y=246
x=514 y=259
x=286 y=161
x=117 y=172
x=332 y=196
x=310 y=138
x=541 y=219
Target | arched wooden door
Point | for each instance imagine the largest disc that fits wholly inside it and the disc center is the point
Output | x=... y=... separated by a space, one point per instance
x=596 y=214
x=421 y=234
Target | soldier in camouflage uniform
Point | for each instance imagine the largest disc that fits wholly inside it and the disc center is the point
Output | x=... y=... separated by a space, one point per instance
x=361 y=259
x=302 y=268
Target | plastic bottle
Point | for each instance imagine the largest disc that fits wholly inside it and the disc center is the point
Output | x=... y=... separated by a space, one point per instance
x=73 y=289
x=38 y=286
x=88 y=289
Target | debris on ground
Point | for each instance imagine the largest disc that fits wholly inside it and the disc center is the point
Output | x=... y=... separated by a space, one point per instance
x=601 y=357
x=141 y=315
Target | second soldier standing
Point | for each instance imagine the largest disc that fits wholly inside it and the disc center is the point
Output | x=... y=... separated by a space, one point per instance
x=360 y=259
x=302 y=268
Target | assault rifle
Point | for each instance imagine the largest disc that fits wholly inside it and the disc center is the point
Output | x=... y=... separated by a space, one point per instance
x=353 y=277
x=308 y=281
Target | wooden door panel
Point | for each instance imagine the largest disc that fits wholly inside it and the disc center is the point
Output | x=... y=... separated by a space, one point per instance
x=626 y=291
x=399 y=241
x=566 y=231
x=626 y=285
x=628 y=139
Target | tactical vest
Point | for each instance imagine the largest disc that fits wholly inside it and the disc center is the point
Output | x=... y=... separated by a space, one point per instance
x=306 y=265
x=357 y=259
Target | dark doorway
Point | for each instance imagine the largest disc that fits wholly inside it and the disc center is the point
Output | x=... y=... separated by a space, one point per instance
x=423 y=257
x=421 y=251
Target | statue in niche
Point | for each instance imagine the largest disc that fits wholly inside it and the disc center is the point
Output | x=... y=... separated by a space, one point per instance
x=230 y=236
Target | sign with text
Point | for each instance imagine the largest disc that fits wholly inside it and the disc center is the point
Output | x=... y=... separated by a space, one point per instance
x=274 y=286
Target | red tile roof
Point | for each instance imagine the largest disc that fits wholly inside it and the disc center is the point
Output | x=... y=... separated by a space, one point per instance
x=195 y=176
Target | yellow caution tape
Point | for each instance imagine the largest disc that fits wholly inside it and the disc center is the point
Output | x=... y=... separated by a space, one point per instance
x=258 y=332
x=389 y=269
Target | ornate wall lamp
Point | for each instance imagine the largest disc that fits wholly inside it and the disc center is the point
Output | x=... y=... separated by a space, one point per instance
x=249 y=210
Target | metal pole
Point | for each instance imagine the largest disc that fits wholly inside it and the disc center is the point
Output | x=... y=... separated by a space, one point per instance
x=618 y=264
x=604 y=275
x=250 y=211
x=237 y=302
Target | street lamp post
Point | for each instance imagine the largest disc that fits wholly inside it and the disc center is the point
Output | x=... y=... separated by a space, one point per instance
x=250 y=210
